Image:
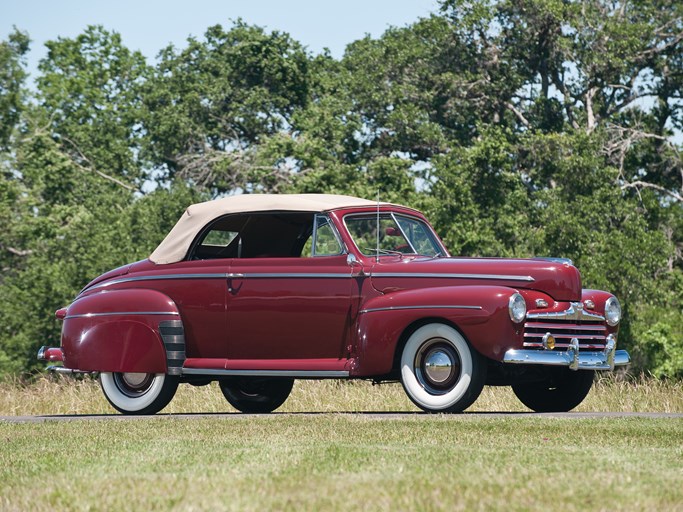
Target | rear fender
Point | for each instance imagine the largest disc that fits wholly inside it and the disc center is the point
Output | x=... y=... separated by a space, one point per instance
x=480 y=313
x=123 y=331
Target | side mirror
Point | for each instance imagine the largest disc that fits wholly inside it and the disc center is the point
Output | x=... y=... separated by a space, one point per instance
x=353 y=262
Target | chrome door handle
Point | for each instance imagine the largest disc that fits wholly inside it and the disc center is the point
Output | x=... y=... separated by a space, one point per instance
x=230 y=277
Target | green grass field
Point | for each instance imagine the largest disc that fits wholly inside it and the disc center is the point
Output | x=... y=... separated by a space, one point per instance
x=343 y=462
x=314 y=459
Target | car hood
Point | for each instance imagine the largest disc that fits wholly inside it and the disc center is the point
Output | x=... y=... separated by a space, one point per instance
x=559 y=279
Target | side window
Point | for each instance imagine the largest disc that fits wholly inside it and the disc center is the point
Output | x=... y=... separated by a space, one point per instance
x=266 y=235
x=324 y=238
x=222 y=240
x=217 y=238
x=326 y=243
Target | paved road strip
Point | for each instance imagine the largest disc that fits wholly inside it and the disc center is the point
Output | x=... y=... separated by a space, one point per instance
x=373 y=415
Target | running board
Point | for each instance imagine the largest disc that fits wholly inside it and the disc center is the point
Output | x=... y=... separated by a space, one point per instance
x=301 y=374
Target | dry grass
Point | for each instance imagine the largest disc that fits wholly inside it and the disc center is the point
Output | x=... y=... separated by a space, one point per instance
x=64 y=395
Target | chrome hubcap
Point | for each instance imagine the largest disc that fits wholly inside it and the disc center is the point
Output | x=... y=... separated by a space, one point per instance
x=133 y=384
x=134 y=380
x=438 y=365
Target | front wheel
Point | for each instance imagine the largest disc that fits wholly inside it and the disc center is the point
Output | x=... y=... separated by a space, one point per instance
x=256 y=394
x=440 y=371
x=138 y=393
x=561 y=390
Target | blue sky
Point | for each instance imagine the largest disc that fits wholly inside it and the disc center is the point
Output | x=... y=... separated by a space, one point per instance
x=149 y=25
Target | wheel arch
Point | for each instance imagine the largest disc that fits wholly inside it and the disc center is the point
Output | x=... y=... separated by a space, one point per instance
x=129 y=330
x=479 y=314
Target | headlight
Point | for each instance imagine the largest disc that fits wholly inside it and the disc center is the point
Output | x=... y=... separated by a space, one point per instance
x=517 y=307
x=612 y=311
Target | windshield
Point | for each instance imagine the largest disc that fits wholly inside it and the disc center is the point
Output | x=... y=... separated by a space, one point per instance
x=398 y=234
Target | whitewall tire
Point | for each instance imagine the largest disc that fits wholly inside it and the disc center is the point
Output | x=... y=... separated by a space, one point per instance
x=440 y=371
x=138 y=393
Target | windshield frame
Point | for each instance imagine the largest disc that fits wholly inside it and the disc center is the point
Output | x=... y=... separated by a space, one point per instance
x=433 y=237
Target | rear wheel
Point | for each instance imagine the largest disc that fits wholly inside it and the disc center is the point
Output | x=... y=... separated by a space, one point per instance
x=138 y=393
x=256 y=394
x=440 y=371
x=561 y=391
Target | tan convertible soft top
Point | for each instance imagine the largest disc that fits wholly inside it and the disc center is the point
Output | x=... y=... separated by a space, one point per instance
x=176 y=244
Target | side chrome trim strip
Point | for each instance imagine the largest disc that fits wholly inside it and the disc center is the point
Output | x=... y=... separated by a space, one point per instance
x=113 y=313
x=294 y=275
x=399 y=308
x=307 y=275
x=267 y=373
x=231 y=275
x=157 y=278
x=496 y=277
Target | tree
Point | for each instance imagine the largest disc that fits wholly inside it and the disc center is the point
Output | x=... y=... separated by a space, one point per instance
x=67 y=190
x=211 y=104
x=89 y=89
x=12 y=78
x=520 y=127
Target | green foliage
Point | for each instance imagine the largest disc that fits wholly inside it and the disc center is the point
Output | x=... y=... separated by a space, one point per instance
x=658 y=326
x=209 y=104
x=69 y=247
x=89 y=90
x=520 y=127
x=12 y=77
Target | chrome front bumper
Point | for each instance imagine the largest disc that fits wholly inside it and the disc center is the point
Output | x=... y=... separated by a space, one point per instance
x=605 y=359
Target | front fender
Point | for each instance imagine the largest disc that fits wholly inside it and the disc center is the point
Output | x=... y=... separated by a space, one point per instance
x=480 y=313
x=118 y=331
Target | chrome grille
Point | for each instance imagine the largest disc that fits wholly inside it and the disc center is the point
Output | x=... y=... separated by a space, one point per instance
x=591 y=335
x=589 y=328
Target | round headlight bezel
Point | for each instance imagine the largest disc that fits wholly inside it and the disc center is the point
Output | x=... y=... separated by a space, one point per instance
x=612 y=311
x=517 y=308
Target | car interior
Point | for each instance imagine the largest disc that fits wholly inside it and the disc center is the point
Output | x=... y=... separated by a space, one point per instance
x=255 y=235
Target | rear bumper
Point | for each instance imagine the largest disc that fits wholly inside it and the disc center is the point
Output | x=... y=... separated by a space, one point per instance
x=55 y=355
x=51 y=354
x=606 y=359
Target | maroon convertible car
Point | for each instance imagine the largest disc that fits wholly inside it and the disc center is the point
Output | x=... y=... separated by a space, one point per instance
x=254 y=291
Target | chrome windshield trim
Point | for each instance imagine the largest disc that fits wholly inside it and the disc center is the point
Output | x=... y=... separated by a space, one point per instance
x=401 y=308
x=160 y=277
x=574 y=312
x=268 y=373
x=391 y=214
x=497 y=277
x=113 y=313
x=403 y=232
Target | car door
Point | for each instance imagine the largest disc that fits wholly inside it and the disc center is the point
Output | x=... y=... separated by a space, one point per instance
x=199 y=290
x=292 y=308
